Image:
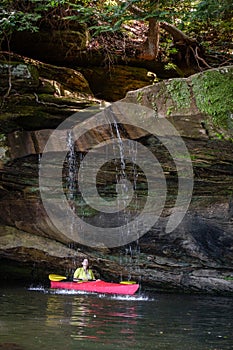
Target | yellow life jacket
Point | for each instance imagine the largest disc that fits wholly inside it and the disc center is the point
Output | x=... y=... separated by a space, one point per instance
x=81 y=274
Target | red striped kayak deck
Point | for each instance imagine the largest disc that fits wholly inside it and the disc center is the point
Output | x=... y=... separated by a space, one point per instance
x=97 y=287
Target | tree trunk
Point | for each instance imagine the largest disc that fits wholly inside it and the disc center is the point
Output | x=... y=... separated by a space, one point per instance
x=151 y=46
x=189 y=53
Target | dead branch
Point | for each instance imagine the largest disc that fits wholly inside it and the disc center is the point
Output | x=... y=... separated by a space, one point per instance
x=198 y=58
x=176 y=33
x=134 y=9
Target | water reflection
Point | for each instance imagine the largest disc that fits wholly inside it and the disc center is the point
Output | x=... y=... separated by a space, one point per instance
x=41 y=320
x=171 y=322
x=93 y=318
x=81 y=319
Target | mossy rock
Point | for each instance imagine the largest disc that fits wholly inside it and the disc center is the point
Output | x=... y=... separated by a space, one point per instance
x=35 y=95
x=18 y=76
x=42 y=111
x=213 y=92
x=200 y=106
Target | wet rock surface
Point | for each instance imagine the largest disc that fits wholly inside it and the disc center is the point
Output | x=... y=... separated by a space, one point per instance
x=196 y=257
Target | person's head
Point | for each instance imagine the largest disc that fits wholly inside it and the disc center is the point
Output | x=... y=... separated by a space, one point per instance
x=85 y=263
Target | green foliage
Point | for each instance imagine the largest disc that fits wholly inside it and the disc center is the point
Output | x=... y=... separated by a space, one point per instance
x=24 y=15
x=212 y=22
x=209 y=20
x=108 y=16
x=11 y=20
x=209 y=10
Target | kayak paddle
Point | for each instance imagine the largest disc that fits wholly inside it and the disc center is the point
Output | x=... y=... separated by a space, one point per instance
x=56 y=278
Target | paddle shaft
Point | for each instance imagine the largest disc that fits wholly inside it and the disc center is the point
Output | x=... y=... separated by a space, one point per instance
x=57 y=278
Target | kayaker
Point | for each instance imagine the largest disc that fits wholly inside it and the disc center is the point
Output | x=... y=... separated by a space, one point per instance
x=83 y=273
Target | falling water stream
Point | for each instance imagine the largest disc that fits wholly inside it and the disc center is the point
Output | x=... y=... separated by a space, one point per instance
x=71 y=186
x=72 y=166
x=131 y=257
x=126 y=174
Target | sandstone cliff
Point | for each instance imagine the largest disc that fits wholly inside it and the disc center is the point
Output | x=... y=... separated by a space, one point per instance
x=195 y=257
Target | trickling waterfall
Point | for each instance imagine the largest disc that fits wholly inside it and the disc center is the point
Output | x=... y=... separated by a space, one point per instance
x=72 y=167
x=132 y=250
x=121 y=154
x=71 y=187
x=135 y=248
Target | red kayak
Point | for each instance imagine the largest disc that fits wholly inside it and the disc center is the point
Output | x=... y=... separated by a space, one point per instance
x=97 y=287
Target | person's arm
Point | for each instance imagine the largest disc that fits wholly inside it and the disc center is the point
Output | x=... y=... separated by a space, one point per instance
x=92 y=274
x=77 y=273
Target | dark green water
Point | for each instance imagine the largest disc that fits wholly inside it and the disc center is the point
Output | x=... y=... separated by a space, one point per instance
x=38 y=319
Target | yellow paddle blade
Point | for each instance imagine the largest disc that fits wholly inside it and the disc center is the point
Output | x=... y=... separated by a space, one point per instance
x=127 y=282
x=57 y=278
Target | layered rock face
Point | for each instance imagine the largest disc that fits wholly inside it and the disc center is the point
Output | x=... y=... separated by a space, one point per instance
x=197 y=255
x=203 y=241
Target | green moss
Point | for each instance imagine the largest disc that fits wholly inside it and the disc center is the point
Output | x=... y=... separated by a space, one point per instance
x=213 y=91
x=85 y=211
x=180 y=94
x=34 y=72
x=2 y=139
x=228 y=278
x=139 y=96
x=170 y=110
